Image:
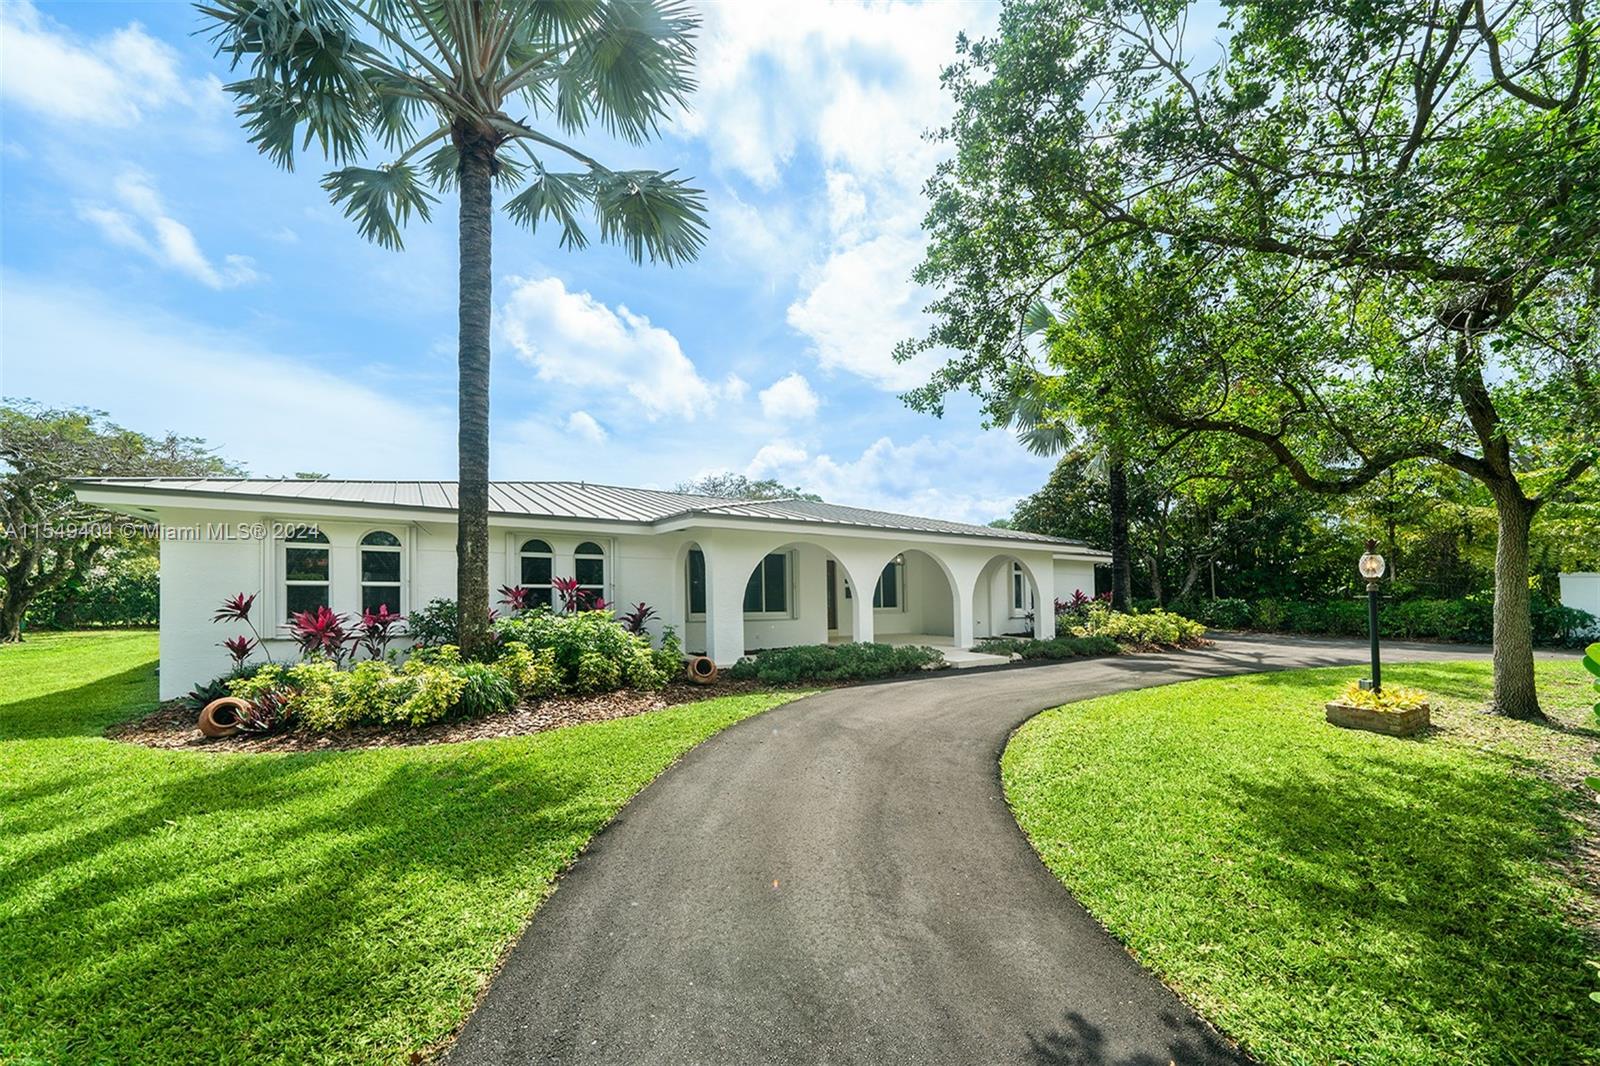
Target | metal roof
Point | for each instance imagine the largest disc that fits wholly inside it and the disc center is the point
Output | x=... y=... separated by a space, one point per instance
x=562 y=499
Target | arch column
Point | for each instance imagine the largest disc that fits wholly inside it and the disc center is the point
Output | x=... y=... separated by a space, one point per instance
x=727 y=573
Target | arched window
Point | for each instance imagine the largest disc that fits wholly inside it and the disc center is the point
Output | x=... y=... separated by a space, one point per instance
x=767 y=591
x=1019 y=590
x=538 y=567
x=589 y=567
x=697 y=582
x=380 y=571
x=305 y=572
x=890 y=584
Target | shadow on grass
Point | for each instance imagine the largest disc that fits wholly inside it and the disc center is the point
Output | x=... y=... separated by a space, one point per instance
x=275 y=908
x=82 y=711
x=1423 y=890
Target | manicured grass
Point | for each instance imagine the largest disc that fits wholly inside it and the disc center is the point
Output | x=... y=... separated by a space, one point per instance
x=179 y=907
x=1328 y=896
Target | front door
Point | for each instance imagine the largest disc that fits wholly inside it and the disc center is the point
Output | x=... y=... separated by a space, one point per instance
x=833 y=596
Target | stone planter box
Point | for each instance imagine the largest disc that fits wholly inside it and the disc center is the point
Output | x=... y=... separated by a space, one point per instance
x=1391 y=723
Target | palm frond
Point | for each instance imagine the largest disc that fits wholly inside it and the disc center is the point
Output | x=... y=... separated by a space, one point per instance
x=635 y=64
x=380 y=200
x=1037 y=318
x=556 y=197
x=650 y=213
x=442 y=167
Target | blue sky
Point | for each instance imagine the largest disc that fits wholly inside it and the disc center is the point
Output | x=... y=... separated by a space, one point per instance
x=159 y=269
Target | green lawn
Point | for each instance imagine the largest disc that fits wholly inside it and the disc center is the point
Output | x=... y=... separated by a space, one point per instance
x=172 y=906
x=1328 y=896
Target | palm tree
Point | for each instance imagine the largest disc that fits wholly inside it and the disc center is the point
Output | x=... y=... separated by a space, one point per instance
x=1044 y=427
x=466 y=95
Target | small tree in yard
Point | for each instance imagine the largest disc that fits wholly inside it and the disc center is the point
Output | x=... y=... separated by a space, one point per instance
x=468 y=95
x=1369 y=235
x=46 y=536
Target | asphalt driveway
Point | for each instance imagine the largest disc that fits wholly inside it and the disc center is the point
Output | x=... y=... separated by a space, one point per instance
x=840 y=880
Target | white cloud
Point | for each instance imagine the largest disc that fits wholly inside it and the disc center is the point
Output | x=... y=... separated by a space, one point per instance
x=573 y=339
x=142 y=224
x=860 y=304
x=854 y=85
x=951 y=478
x=584 y=425
x=272 y=411
x=112 y=80
x=789 y=398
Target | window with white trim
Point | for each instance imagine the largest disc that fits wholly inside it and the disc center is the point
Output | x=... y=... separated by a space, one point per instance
x=538 y=565
x=381 y=565
x=888 y=595
x=697 y=582
x=305 y=572
x=767 y=591
x=589 y=567
x=1019 y=590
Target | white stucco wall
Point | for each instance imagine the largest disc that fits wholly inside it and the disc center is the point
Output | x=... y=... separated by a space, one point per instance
x=1582 y=592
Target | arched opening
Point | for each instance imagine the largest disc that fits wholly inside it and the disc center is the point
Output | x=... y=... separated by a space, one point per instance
x=914 y=600
x=1005 y=600
x=797 y=593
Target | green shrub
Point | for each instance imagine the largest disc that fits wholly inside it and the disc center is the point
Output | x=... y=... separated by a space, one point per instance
x=532 y=674
x=1226 y=613
x=669 y=657
x=1153 y=629
x=434 y=625
x=835 y=662
x=485 y=690
x=123 y=588
x=1061 y=647
x=592 y=652
x=321 y=697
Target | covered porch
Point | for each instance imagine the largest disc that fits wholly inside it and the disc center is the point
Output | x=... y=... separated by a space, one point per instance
x=742 y=591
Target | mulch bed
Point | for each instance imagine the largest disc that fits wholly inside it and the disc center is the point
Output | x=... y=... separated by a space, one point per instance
x=172 y=725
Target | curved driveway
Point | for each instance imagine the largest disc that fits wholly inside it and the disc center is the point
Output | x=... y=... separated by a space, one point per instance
x=839 y=880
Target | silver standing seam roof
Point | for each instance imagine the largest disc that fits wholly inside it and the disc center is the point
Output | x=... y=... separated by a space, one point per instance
x=561 y=499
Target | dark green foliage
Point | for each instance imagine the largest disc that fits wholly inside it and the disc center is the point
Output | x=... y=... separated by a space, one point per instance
x=487 y=691
x=1469 y=619
x=434 y=625
x=1055 y=648
x=834 y=662
x=217 y=687
x=123 y=588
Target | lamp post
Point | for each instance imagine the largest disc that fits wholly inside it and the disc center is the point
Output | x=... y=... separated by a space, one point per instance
x=1371 y=567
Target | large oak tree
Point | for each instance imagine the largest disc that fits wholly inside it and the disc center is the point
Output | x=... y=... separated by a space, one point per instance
x=1356 y=235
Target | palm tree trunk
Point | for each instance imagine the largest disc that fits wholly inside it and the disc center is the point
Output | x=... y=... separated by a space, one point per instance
x=476 y=301
x=1121 y=564
x=1515 y=694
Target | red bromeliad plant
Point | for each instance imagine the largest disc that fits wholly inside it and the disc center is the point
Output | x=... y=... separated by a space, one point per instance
x=514 y=597
x=240 y=648
x=634 y=621
x=320 y=632
x=375 y=631
x=572 y=596
x=237 y=609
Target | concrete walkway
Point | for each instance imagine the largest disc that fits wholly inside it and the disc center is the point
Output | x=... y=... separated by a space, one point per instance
x=839 y=880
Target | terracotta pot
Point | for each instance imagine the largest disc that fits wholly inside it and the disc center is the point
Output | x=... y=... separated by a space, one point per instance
x=221 y=716
x=702 y=671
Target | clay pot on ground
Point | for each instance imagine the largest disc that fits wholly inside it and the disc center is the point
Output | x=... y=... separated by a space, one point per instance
x=702 y=671
x=221 y=716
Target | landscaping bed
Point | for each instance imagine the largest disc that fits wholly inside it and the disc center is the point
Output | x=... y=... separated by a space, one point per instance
x=172 y=725
x=1332 y=895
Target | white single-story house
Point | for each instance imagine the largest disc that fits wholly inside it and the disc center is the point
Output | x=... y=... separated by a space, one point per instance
x=731 y=576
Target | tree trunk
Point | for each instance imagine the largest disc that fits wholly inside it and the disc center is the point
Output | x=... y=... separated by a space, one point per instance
x=1515 y=695
x=1121 y=564
x=472 y=507
x=11 y=612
